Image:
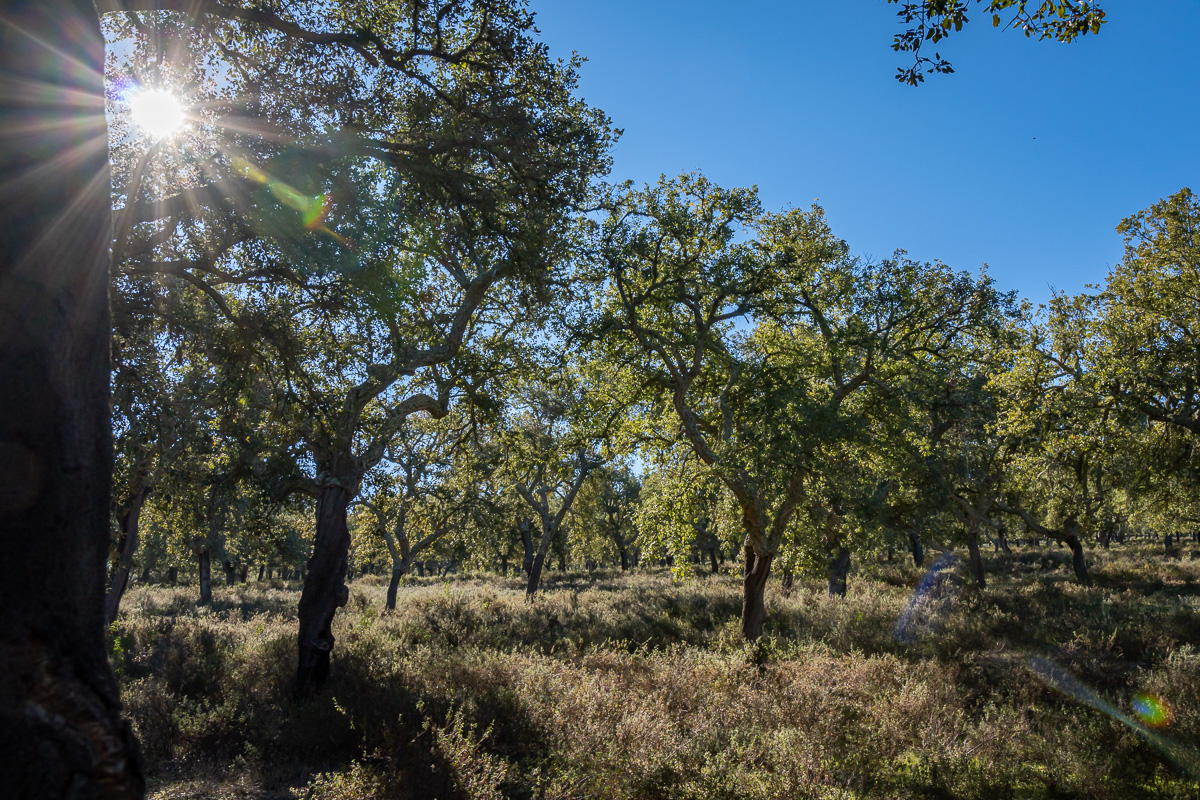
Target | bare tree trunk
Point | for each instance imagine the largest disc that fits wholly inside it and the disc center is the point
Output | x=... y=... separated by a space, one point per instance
x=535 y=576
x=393 y=587
x=624 y=560
x=526 y=528
x=324 y=589
x=129 y=544
x=61 y=731
x=918 y=552
x=973 y=551
x=1071 y=535
x=754 y=609
x=839 y=569
x=205 y=558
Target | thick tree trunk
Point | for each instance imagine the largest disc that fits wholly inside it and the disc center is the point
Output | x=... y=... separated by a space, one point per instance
x=1071 y=536
x=754 y=584
x=839 y=569
x=973 y=552
x=918 y=551
x=535 y=576
x=205 y=558
x=61 y=732
x=129 y=544
x=787 y=582
x=393 y=587
x=230 y=573
x=324 y=589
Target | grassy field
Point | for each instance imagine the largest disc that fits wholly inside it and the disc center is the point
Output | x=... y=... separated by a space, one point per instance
x=614 y=686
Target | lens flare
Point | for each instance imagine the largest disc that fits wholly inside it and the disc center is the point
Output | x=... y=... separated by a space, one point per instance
x=1152 y=711
x=313 y=208
x=1184 y=756
x=157 y=112
x=930 y=601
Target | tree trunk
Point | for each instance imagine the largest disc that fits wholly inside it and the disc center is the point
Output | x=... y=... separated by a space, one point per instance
x=504 y=565
x=61 y=732
x=526 y=528
x=145 y=575
x=129 y=544
x=393 y=587
x=1002 y=541
x=754 y=584
x=270 y=573
x=230 y=573
x=973 y=552
x=261 y=571
x=420 y=565
x=624 y=560
x=918 y=552
x=535 y=576
x=324 y=589
x=714 y=568
x=562 y=562
x=172 y=575
x=205 y=576
x=787 y=582
x=244 y=572
x=1071 y=536
x=839 y=569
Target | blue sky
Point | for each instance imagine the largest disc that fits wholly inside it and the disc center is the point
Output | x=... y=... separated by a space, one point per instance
x=1025 y=159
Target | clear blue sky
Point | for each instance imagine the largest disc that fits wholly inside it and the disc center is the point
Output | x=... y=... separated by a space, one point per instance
x=1026 y=158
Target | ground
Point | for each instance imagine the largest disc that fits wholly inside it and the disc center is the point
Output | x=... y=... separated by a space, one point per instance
x=632 y=686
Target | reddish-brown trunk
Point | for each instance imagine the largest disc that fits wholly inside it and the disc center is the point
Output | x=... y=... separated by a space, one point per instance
x=754 y=584
x=324 y=591
x=61 y=732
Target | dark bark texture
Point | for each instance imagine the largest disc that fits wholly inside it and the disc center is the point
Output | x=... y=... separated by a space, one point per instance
x=61 y=732
x=205 y=560
x=975 y=556
x=130 y=518
x=754 y=584
x=393 y=587
x=839 y=570
x=1071 y=536
x=535 y=576
x=325 y=590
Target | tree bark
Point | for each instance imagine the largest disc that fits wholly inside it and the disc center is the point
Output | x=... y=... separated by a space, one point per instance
x=754 y=583
x=525 y=526
x=918 y=551
x=973 y=552
x=839 y=569
x=535 y=576
x=61 y=731
x=624 y=560
x=1071 y=536
x=130 y=520
x=205 y=558
x=393 y=587
x=324 y=589
x=712 y=561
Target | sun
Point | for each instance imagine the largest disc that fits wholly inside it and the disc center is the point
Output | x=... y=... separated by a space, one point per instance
x=157 y=112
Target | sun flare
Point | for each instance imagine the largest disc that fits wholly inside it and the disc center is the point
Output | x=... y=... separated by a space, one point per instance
x=157 y=112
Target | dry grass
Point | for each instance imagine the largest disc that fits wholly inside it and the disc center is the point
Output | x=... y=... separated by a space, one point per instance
x=612 y=686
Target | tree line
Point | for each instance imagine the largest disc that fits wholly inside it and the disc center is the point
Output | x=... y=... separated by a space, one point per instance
x=379 y=277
